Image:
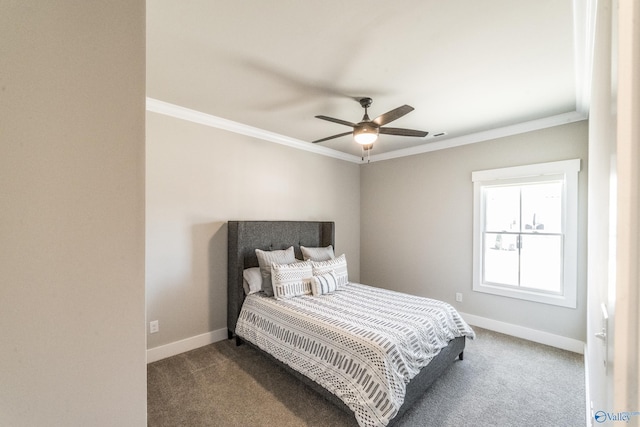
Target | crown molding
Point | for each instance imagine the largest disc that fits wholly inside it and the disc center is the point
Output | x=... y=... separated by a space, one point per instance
x=441 y=144
x=182 y=113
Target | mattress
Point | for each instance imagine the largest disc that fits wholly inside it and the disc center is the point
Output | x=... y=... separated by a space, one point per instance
x=361 y=343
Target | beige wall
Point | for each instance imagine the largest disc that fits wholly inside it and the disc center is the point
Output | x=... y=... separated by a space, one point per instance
x=72 y=213
x=198 y=178
x=416 y=228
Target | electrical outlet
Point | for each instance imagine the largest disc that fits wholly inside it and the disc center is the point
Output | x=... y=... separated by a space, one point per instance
x=154 y=326
x=459 y=296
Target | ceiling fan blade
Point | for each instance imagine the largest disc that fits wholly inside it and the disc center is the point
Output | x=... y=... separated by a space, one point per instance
x=403 y=132
x=392 y=115
x=331 y=119
x=331 y=137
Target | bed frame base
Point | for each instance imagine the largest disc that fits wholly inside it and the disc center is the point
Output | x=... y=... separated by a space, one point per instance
x=415 y=389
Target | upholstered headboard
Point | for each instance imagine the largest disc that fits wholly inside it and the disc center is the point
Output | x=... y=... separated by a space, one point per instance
x=247 y=236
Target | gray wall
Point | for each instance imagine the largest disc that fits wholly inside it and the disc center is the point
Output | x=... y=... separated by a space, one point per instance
x=72 y=92
x=416 y=225
x=198 y=178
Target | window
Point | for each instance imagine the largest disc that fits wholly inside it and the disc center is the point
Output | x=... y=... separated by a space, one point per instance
x=525 y=232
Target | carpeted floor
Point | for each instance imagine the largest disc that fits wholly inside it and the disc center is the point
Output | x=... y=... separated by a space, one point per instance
x=502 y=381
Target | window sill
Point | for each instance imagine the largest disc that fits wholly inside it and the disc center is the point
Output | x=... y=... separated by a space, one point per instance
x=567 y=301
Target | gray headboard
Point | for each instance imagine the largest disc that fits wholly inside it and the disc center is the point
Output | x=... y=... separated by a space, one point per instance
x=247 y=236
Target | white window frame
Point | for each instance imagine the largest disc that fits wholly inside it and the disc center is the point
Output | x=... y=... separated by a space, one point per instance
x=569 y=170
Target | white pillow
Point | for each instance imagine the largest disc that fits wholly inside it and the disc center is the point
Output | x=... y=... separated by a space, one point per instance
x=291 y=280
x=252 y=280
x=317 y=254
x=265 y=258
x=338 y=265
x=324 y=284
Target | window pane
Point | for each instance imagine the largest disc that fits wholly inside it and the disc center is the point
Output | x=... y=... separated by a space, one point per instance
x=500 y=259
x=541 y=262
x=525 y=229
x=542 y=207
x=502 y=206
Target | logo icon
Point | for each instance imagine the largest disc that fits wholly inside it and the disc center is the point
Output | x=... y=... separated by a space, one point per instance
x=600 y=416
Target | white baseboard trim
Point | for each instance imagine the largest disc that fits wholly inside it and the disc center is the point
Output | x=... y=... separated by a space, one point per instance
x=570 y=344
x=534 y=335
x=187 y=344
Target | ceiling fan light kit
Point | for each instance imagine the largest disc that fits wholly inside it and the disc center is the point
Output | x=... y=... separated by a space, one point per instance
x=365 y=134
x=366 y=131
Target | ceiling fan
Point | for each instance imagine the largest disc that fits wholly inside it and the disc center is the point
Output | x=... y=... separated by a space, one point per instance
x=366 y=131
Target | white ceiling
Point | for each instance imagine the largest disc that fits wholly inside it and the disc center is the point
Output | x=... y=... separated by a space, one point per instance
x=466 y=66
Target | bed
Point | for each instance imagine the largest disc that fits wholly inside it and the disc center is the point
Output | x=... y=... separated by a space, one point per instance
x=244 y=237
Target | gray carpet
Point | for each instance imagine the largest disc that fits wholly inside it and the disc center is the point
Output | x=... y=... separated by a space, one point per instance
x=502 y=381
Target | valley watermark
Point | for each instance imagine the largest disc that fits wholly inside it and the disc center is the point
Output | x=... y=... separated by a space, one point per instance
x=605 y=417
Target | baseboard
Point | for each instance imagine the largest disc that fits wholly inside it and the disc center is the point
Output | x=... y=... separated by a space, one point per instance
x=534 y=335
x=187 y=344
x=570 y=344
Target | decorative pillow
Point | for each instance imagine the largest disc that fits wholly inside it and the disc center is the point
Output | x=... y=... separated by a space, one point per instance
x=317 y=254
x=252 y=280
x=265 y=258
x=338 y=265
x=324 y=284
x=291 y=280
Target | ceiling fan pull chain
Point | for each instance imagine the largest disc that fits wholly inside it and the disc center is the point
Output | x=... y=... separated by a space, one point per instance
x=366 y=148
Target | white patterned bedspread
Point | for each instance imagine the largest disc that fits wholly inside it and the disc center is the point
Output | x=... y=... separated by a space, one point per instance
x=363 y=344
